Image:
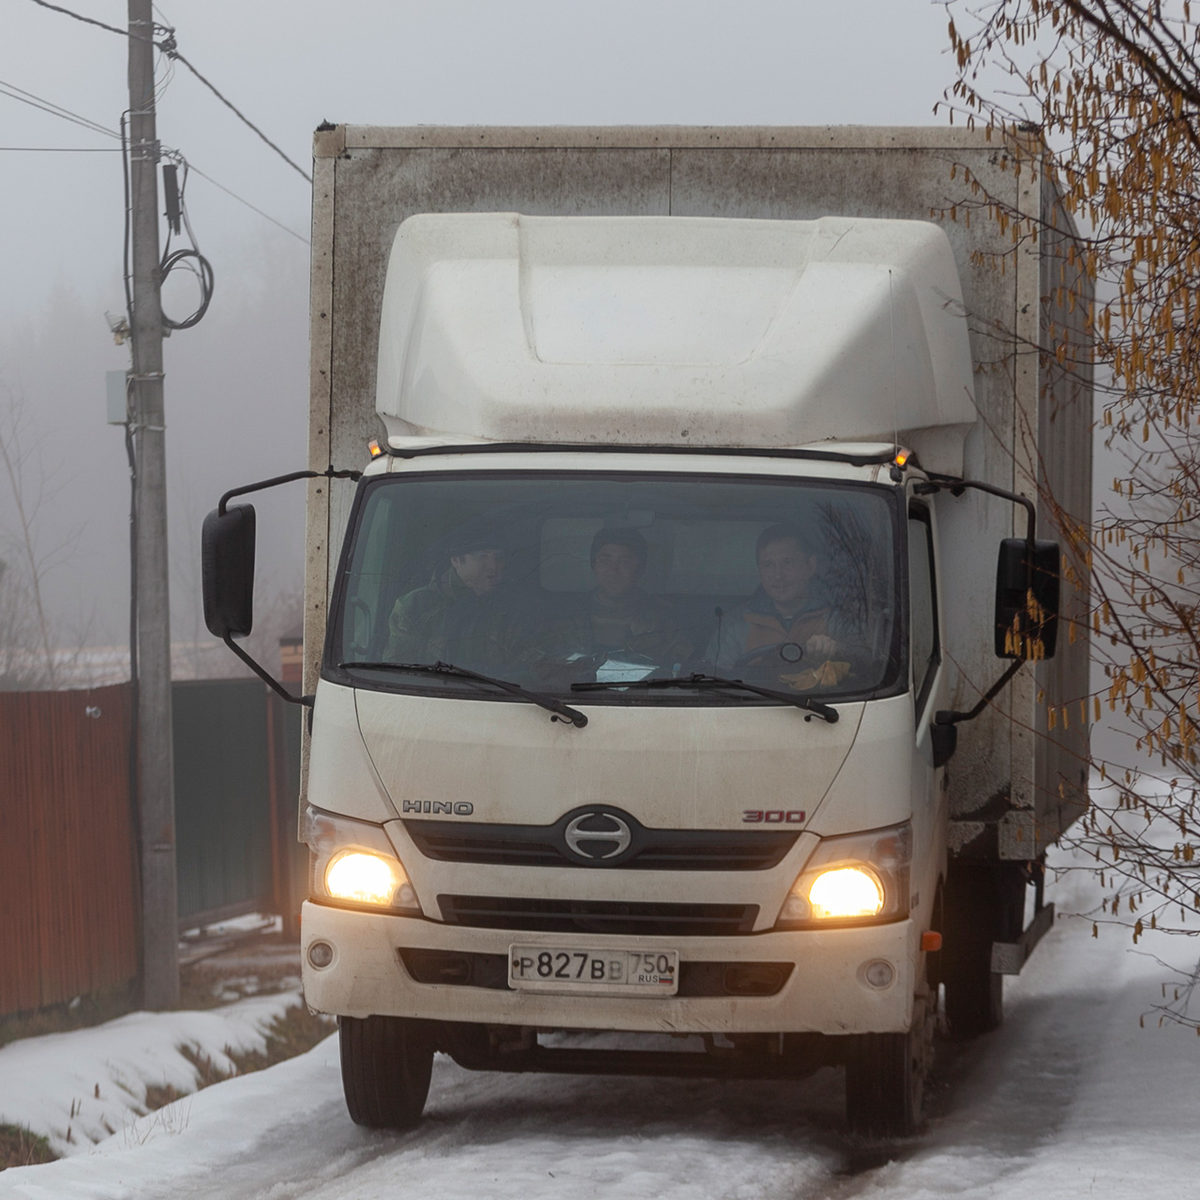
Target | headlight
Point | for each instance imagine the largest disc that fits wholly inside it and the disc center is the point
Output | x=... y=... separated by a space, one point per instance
x=353 y=862
x=852 y=880
x=845 y=892
x=366 y=878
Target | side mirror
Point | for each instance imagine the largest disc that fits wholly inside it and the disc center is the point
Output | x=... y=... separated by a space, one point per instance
x=1027 y=601
x=227 y=570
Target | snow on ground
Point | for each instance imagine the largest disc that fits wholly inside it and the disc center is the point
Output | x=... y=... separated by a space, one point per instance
x=1070 y=1098
x=80 y=1087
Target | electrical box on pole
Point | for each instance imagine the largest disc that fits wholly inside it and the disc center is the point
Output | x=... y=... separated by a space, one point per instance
x=116 y=388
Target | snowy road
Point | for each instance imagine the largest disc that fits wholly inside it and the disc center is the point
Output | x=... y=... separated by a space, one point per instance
x=1070 y=1098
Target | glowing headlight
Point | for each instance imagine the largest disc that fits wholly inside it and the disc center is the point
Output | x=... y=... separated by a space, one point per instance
x=364 y=878
x=353 y=862
x=845 y=892
x=861 y=877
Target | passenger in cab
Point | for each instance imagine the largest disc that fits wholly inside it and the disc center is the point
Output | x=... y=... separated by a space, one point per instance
x=619 y=614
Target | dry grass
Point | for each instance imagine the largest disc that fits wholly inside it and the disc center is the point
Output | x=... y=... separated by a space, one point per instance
x=292 y=1033
x=20 y=1148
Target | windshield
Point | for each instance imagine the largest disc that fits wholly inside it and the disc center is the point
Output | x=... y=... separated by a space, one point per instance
x=551 y=581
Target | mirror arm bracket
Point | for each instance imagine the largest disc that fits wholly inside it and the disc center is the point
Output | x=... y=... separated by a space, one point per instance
x=947 y=717
x=266 y=676
x=263 y=484
x=330 y=472
x=956 y=487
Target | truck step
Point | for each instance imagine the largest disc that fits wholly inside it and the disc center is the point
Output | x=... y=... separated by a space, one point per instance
x=1009 y=957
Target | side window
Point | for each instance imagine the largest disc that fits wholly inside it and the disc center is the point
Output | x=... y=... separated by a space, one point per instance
x=922 y=604
x=372 y=588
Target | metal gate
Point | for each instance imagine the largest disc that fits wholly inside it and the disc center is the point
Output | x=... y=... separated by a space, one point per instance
x=223 y=827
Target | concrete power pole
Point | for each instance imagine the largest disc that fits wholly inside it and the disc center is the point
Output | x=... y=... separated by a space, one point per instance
x=156 y=783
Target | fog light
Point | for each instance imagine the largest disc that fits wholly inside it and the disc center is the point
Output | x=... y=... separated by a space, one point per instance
x=878 y=973
x=320 y=954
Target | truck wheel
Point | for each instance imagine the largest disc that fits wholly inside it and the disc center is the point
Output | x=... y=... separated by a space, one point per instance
x=386 y=1065
x=885 y=1078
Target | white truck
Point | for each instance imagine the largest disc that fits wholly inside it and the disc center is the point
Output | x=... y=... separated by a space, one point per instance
x=682 y=666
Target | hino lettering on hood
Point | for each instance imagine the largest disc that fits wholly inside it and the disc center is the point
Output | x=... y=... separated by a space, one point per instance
x=447 y=808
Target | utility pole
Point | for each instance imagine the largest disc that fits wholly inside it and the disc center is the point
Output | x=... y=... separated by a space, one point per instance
x=155 y=765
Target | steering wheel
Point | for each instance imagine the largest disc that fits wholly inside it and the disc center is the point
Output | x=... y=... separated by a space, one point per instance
x=794 y=655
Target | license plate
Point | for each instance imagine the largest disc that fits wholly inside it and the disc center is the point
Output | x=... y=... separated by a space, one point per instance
x=606 y=972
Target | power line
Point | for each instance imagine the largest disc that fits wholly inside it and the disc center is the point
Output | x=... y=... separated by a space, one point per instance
x=57 y=110
x=246 y=120
x=253 y=208
x=62 y=149
x=88 y=20
x=169 y=47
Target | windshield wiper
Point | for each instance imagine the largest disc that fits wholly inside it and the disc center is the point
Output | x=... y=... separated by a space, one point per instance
x=563 y=711
x=707 y=682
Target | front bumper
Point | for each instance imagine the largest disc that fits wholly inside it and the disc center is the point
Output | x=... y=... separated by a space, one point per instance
x=827 y=991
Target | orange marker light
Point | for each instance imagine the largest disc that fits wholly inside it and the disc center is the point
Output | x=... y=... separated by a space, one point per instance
x=931 y=941
x=374 y=447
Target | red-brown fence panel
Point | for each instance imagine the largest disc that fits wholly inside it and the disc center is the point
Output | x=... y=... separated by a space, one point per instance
x=68 y=880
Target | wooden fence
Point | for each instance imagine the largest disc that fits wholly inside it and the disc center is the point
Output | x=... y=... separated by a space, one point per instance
x=69 y=890
x=68 y=876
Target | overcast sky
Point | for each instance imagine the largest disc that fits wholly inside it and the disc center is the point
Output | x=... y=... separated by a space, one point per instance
x=235 y=390
x=289 y=64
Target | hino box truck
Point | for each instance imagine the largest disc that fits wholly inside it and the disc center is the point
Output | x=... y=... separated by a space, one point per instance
x=694 y=661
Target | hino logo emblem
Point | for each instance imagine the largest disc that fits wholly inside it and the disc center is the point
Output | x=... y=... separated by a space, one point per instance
x=597 y=835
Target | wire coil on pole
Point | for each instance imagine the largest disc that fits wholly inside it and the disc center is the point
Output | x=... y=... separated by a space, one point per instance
x=191 y=260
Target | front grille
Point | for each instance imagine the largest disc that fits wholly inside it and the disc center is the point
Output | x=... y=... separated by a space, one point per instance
x=456 y=968
x=599 y=916
x=654 y=849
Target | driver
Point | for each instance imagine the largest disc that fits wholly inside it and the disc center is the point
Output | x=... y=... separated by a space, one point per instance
x=786 y=618
x=618 y=614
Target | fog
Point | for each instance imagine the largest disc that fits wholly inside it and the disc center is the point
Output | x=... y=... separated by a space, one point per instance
x=236 y=384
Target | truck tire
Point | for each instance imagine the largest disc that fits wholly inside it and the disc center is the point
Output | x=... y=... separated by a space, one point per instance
x=885 y=1078
x=386 y=1066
